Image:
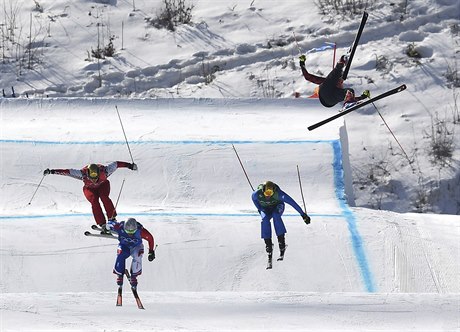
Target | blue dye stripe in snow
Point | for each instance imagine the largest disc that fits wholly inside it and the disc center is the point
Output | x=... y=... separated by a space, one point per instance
x=157 y=214
x=350 y=218
x=179 y=142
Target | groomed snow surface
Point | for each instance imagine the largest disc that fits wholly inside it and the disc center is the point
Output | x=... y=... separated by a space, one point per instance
x=350 y=269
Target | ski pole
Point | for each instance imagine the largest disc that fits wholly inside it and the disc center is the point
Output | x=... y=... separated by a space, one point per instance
x=119 y=194
x=296 y=43
x=121 y=123
x=301 y=191
x=391 y=132
x=118 y=198
x=36 y=190
x=242 y=167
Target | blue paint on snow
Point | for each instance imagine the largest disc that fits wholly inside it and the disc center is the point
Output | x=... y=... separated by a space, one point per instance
x=356 y=239
x=179 y=142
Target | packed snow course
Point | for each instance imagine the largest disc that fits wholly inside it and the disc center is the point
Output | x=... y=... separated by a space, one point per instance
x=349 y=269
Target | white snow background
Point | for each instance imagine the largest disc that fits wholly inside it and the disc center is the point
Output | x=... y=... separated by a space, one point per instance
x=366 y=262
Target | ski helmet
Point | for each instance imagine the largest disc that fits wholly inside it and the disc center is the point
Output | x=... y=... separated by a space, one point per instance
x=93 y=171
x=131 y=226
x=269 y=189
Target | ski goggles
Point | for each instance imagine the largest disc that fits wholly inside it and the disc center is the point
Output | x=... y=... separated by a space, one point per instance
x=268 y=192
x=93 y=174
x=130 y=231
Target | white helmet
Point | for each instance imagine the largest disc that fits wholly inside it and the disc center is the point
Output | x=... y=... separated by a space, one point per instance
x=131 y=226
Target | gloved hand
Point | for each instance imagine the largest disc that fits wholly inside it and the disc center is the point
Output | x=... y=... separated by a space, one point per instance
x=48 y=171
x=133 y=167
x=306 y=218
x=302 y=59
x=151 y=256
x=366 y=93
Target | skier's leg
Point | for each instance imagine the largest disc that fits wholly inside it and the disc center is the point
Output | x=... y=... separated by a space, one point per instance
x=278 y=223
x=93 y=198
x=104 y=192
x=266 y=228
x=268 y=245
x=334 y=78
x=123 y=253
x=282 y=242
x=136 y=264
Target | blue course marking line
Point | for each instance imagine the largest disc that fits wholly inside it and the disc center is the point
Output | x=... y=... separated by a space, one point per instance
x=159 y=214
x=350 y=218
x=181 y=142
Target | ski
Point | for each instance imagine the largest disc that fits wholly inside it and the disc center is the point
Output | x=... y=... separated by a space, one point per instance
x=120 y=296
x=352 y=49
x=270 y=262
x=359 y=105
x=107 y=236
x=134 y=290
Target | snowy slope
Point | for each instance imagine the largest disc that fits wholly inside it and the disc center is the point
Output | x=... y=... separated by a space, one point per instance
x=191 y=193
x=185 y=98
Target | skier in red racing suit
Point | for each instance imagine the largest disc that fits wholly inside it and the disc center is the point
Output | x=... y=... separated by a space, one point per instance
x=96 y=186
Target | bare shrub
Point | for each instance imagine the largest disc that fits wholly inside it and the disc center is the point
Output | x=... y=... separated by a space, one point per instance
x=343 y=7
x=441 y=146
x=174 y=13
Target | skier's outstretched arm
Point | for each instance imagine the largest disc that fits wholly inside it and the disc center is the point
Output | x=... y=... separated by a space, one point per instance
x=74 y=173
x=112 y=167
x=289 y=200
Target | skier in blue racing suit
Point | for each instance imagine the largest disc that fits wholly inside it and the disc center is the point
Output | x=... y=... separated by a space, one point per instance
x=269 y=200
x=130 y=235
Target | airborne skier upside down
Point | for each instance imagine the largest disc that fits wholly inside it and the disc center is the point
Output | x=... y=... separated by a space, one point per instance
x=331 y=90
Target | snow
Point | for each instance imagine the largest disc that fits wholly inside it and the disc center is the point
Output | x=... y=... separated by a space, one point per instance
x=353 y=268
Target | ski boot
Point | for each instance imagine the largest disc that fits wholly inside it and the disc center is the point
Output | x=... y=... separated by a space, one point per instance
x=344 y=59
x=282 y=246
x=269 y=250
x=133 y=282
x=120 y=280
x=104 y=230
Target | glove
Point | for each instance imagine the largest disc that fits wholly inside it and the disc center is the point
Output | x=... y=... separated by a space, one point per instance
x=302 y=59
x=48 y=171
x=306 y=218
x=366 y=94
x=133 y=167
x=151 y=256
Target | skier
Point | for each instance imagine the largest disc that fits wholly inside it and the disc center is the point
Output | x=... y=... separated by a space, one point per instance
x=96 y=186
x=269 y=200
x=130 y=235
x=330 y=90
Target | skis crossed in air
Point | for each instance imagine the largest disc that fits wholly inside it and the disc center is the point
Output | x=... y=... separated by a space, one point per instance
x=358 y=105
x=352 y=107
